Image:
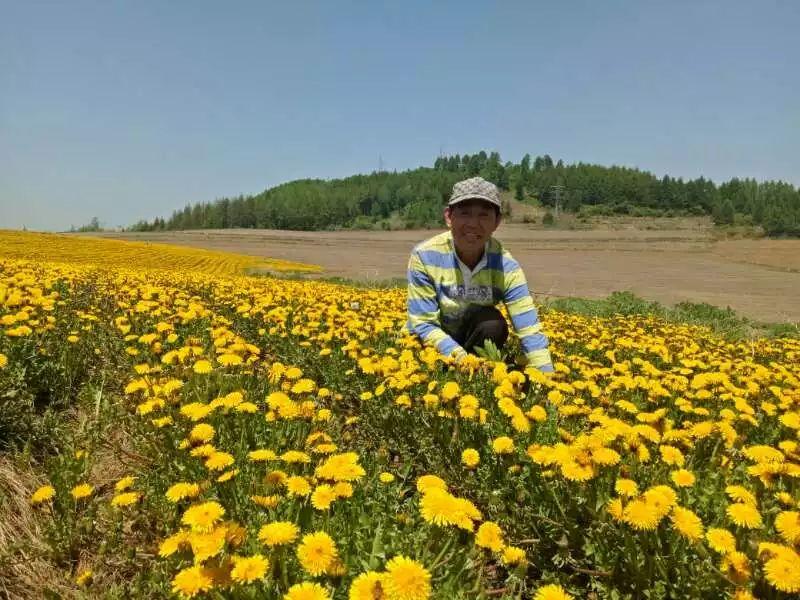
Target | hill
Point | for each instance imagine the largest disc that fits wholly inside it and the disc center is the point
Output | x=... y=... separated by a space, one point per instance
x=414 y=198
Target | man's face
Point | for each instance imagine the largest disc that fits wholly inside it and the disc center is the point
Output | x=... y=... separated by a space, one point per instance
x=472 y=222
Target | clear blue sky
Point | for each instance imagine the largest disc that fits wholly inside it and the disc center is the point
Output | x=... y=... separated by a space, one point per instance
x=129 y=110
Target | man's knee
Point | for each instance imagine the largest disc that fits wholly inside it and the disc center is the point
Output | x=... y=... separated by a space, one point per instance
x=494 y=329
x=488 y=324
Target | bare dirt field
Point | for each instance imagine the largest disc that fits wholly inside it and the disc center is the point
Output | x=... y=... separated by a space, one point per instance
x=669 y=260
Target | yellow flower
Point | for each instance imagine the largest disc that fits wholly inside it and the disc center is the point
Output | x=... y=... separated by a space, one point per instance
x=490 y=536
x=552 y=592
x=503 y=445
x=682 y=478
x=192 y=580
x=744 y=515
x=202 y=432
x=247 y=569
x=83 y=490
x=202 y=517
x=124 y=483
x=738 y=493
x=470 y=458
x=426 y=482
x=43 y=494
x=317 y=553
x=641 y=515
x=261 y=455
x=513 y=556
x=788 y=525
x=367 y=586
x=278 y=533
x=386 y=477
x=307 y=591
x=219 y=461
x=783 y=572
x=84 y=578
x=406 y=579
x=323 y=496
x=172 y=544
x=125 y=499
x=296 y=485
x=3 y=360
x=449 y=390
x=626 y=487
x=687 y=523
x=182 y=490
x=201 y=367
x=341 y=467
x=721 y=540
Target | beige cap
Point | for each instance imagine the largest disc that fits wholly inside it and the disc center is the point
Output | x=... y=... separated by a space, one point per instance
x=475 y=187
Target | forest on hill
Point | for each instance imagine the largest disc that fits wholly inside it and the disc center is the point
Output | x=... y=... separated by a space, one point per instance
x=414 y=198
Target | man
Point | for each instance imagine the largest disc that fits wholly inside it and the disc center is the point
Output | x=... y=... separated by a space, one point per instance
x=456 y=278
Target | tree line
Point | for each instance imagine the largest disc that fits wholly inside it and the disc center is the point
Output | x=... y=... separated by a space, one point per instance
x=414 y=198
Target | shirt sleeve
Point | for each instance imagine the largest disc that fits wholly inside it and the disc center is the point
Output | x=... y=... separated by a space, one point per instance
x=524 y=317
x=423 y=311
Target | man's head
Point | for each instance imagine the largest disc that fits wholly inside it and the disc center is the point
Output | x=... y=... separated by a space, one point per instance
x=473 y=214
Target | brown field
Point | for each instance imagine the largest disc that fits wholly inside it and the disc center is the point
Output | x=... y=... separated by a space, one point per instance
x=668 y=260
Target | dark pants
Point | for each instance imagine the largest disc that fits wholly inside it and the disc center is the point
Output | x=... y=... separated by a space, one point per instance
x=482 y=323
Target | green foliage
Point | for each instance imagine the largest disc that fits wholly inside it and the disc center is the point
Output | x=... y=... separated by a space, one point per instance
x=417 y=197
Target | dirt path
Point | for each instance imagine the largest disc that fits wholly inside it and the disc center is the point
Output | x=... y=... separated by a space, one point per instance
x=758 y=278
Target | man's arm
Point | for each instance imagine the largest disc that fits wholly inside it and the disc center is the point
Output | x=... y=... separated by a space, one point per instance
x=524 y=317
x=423 y=310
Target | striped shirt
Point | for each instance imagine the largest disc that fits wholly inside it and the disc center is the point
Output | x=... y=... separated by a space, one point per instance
x=441 y=287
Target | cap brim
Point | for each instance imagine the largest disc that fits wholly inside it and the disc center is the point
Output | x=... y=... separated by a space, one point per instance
x=466 y=197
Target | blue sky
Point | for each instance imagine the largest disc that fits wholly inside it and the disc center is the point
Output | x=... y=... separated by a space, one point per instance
x=129 y=110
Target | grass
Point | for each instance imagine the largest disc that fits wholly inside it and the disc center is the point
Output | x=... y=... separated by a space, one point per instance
x=725 y=322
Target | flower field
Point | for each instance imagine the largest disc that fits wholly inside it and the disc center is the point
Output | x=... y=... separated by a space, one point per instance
x=229 y=436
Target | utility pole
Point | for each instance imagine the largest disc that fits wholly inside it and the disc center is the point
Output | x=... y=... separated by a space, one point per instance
x=380 y=163
x=557 y=190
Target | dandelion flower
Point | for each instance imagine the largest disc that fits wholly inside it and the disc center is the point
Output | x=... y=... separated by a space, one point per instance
x=552 y=592
x=503 y=445
x=278 y=533
x=180 y=491
x=323 y=496
x=125 y=499
x=386 y=477
x=687 y=523
x=83 y=490
x=201 y=517
x=367 y=586
x=124 y=483
x=427 y=482
x=192 y=581
x=219 y=461
x=307 y=591
x=788 y=525
x=201 y=367
x=470 y=458
x=490 y=536
x=43 y=494
x=641 y=515
x=513 y=556
x=682 y=478
x=247 y=569
x=626 y=487
x=783 y=573
x=296 y=485
x=721 y=540
x=407 y=579
x=317 y=552
x=744 y=515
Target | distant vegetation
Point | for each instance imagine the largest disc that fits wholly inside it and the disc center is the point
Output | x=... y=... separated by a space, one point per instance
x=414 y=198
